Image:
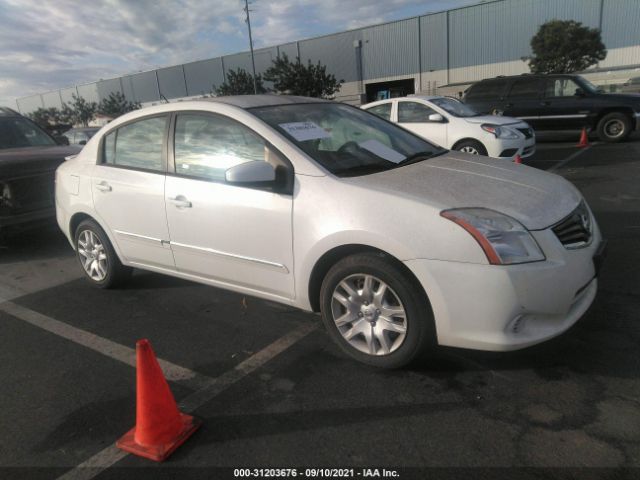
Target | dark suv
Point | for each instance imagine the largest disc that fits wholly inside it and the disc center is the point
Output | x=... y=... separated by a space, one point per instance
x=558 y=102
x=28 y=160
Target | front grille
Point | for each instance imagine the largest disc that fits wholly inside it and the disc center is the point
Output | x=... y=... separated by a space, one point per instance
x=575 y=230
x=527 y=132
x=32 y=192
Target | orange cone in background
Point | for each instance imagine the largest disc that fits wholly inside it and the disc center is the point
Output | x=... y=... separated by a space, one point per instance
x=160 y=427
x=584 y=138
x=518 y=159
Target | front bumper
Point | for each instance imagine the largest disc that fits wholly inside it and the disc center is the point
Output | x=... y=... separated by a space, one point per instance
x=501 y=148
x=500 y=308
x=23 y=219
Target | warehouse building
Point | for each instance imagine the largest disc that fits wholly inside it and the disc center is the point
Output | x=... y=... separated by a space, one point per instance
x=439 y=53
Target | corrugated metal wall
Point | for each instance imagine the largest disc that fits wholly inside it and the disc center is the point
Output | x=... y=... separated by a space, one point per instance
x=461 y=45
x=337 y=52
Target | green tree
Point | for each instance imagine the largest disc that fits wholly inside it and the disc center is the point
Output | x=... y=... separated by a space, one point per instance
x=565 y=46
x=239 y=82
x=66 y=115
x=83 y=111
x=46 y=117
x=295 y=78
x=116 y=104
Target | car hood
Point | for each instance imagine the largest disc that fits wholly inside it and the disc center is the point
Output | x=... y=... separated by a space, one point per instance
x=16 y=162
x=535 y=198
x=494 y=119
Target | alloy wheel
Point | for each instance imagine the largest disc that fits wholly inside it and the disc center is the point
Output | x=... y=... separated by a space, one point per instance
x=470 y=149
x=93 y=256
x=369 y=314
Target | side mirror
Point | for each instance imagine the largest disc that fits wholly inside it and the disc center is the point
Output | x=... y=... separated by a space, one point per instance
x=61 y=140
x=82 y=142
x=251 y=173
x=580 y=92
x=436 y=117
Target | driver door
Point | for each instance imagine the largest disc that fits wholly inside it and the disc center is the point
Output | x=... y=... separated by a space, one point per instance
x=414 y=116
x=231 y=235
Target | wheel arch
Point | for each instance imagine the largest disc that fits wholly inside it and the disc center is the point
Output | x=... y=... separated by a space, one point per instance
x=468 y=139
x=78 y=217
x=335 y=254
x=626 y=111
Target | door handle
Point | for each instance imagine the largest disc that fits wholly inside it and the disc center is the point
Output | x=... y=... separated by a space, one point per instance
x=103 y=187
x=180 y=202
x=545 y=104
x=509 y=105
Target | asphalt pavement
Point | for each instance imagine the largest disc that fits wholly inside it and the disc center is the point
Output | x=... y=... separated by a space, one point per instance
x=273 y=390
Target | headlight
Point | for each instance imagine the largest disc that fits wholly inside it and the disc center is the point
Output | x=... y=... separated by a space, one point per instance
x=503 y=239
x=500 y=132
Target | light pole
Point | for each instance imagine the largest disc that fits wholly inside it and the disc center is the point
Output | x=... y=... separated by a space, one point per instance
x=253 y=62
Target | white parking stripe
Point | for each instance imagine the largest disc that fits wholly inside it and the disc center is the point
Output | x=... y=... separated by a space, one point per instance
x=110 y=455
x=569 y=158
x=173 y=372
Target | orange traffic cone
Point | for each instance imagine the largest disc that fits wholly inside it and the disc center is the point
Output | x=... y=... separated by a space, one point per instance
x=160 y=427
x=518 y=159
x=584 y=139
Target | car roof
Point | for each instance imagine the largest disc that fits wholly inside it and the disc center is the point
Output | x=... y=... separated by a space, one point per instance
x=527 y=75
x=266 y=100
x=7 y=112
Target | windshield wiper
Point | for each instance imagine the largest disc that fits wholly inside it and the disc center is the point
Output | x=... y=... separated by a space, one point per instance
x=420 y=156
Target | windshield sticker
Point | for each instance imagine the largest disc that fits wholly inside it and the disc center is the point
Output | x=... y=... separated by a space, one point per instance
x=303 y=131
x=382 y=151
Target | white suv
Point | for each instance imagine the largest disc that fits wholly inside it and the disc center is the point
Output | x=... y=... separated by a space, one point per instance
x=323 y=206
x=451 y=124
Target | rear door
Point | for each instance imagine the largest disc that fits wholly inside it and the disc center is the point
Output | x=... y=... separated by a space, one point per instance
x=523 y=99
x=487 y=96
x=128 y=190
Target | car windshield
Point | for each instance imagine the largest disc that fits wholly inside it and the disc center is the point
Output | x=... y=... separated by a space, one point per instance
x=345 y=140
x=18 y=132
x=454 y=107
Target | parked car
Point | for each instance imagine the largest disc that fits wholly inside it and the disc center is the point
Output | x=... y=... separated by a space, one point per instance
x=451 y=124
x=558 y=102
x=631 y=86
x=320 y=205
x=28 y=159
x=80 y=135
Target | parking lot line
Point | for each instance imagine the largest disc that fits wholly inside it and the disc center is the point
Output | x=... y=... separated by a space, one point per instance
x=562 y=163
x=173 y=372
x=110 y=455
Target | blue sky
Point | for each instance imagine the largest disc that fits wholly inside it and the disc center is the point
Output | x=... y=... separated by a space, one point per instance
x=49 y=44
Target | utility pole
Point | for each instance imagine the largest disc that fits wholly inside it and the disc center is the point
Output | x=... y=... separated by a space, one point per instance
x=253 y=62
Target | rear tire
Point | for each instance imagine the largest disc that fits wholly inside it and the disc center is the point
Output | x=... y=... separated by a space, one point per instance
x=97 y=258
x=614 y=127
x=375 y=313
x=472 y=147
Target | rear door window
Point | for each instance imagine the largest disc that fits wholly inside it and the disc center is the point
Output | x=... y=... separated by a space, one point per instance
x=383 y=110
x=137 y=145
x=486 y=90
x=526 y=88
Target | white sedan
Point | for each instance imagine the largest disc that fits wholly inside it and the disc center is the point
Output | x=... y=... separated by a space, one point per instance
x=454 y=125
x=399 y=243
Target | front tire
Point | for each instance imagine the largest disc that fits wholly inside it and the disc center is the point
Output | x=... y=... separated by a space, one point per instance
x=472 y=147
x=614 y=127
x=375 y=313
x=98 y=259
